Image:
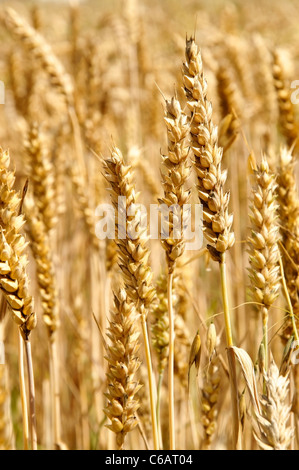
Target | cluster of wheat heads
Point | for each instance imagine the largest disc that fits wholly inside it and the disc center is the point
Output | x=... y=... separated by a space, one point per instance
x=132 y=341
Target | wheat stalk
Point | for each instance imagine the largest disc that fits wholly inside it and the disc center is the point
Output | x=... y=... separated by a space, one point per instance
x=181 y=344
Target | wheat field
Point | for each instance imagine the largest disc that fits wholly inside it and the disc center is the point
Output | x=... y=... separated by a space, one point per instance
x=117 y=332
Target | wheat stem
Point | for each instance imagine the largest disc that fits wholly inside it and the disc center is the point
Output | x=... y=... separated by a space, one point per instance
x=31 y=387
x=23 y=394
x=227 y=321
x=55 y=392
x=265 y=318
x=171 y=364
x=150 y=379
x=159 y=389
x=230 y=353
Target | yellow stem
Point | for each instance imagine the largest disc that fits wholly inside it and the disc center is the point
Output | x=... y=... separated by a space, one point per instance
x=227 y=322
x=23 y=394
x=31 y=394
x=150 y=380
x=55 y=392
x=265 y=335
x=158 y=407
x=231 y=358
x=171 y=365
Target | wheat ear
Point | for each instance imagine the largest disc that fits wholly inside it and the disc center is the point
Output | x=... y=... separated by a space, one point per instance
x=264 y=251
x=210 y=388
x=175 y=172
x=13 y=277
x=210 y=184
x=45 y=270
x=41 y=172
x=160 y=325
x=123 y=364
x=132 y=240
x=269 y=105
x=230 y=113
x=274 y=431
x=14 y=280
x=288 y=124
x=42 y=53
x=289 y=229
